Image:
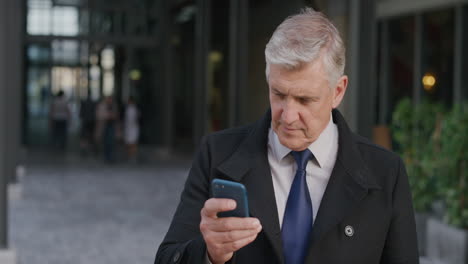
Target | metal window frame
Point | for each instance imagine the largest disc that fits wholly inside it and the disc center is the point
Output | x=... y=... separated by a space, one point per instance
x=391 y=8
x=387 y=9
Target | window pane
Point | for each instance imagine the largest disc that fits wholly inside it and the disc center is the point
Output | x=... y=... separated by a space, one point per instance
x=95 y=84
x=39 y=4
x=401 y=59
x=101 y=22
x=70 y=2
x=65 y=21
x=108 y=83
x=437 y=57
x=38 y=53
x=38 y=22
x=38 y=98
x=65 y=52
x=45 y=19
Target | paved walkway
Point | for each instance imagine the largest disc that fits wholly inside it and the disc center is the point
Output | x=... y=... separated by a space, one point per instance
x=85 y=212
x=76 y=211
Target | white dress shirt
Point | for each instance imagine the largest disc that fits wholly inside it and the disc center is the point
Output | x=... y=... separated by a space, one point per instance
x=283 y=167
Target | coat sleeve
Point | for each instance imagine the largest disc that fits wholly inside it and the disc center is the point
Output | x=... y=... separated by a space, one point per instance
x=183 y=242
x=401 y=243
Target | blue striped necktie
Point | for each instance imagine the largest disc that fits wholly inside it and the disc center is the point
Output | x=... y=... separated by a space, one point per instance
x=298 y=217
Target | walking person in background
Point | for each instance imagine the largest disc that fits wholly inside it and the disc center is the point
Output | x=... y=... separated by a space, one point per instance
x=59 y=115
x=99 y=124
x=131 y=129
x=44 y=98
x=88 y=120
x=107 y=118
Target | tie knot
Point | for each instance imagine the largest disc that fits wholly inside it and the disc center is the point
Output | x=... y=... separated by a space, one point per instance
x=302 y=157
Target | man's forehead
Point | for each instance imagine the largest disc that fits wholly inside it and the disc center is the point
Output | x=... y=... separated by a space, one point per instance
x=315 y=66
x=309 y=90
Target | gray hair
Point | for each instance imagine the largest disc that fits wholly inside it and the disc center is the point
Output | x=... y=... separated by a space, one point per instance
x=303 y=38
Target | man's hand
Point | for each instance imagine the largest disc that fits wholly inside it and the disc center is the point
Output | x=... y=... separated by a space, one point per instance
x=224 y=236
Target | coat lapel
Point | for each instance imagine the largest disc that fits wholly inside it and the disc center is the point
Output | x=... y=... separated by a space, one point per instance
x=349 y=183
x=249 y=165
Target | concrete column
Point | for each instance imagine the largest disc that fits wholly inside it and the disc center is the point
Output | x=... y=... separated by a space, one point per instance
x=464 y=42
x=3 y=120
x=361 y=66
x=384 y=73
x=368 y=74
x=168 y=101
x=459 y=56
x=15 y=84
x=238 y=39
x=339 y=12
x=125 y=79
x=202 y=48
x=9 y=80
x=353 y=66
x=417 y=72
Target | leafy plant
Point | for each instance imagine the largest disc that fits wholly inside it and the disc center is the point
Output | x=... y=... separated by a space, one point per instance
x=453 y=165
x=415 y=130
x=434 y=146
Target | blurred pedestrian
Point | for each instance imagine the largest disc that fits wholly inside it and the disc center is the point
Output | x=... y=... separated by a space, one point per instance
x=88 y=120
x=131 y=129
x=107 y=117
x=44 y=98
x=59 y=115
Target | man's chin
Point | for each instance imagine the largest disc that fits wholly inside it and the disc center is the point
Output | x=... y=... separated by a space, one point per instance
x=290 y=133
x=292 y=144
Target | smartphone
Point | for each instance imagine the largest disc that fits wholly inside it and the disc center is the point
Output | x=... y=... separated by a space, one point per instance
x=231 y=190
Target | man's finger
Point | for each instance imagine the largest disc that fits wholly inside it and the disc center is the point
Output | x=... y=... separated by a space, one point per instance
x=234 y=235
x=219 y=250
x=226 y=224
x=238 y=244
x=215 y=205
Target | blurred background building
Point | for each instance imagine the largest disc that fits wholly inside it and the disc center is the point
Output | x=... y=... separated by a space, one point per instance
x=197 y=66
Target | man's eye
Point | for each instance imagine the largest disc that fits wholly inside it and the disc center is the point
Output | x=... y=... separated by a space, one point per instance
x=281 y=96
x=304 y=100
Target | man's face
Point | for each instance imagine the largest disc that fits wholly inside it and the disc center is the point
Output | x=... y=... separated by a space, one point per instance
x=301 y=101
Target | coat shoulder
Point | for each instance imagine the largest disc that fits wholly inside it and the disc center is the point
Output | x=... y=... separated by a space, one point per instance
x=226 y=136
x=224 y=143
x=365 y=145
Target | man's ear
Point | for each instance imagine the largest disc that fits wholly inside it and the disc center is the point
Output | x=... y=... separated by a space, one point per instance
x=340 y=90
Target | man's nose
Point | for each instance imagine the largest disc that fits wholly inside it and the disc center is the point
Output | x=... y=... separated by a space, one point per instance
x=290 y=113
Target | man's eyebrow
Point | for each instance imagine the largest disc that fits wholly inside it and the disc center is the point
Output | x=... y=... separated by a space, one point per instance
x=276 y=90
x=307 y=97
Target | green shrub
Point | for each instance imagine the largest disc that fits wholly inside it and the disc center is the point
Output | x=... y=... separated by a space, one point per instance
x=453 y=165
x=434 y=146
x=413 y=129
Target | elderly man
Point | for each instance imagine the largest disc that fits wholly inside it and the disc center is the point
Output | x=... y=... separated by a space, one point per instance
x=317 y=192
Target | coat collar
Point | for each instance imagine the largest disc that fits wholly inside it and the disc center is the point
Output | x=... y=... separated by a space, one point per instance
x=348 y=184
x=243 y=159
x=255 y=144
x=349 y=155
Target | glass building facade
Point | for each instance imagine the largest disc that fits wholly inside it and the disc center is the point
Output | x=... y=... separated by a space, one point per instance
x=419 y=44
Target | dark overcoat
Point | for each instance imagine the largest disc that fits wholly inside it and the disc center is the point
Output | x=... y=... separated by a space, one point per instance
x=368 y=193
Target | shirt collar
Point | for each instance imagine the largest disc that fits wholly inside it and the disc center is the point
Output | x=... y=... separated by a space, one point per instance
x=320 y=148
